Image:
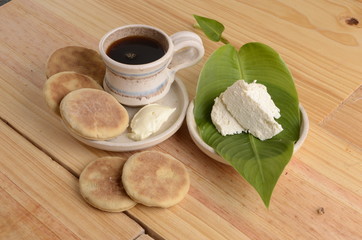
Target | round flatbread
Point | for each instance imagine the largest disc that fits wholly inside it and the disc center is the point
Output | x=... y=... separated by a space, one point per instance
x=155 y=179
x=93 y=114
x=62 y=83
x=101 y=186
x=77 y=59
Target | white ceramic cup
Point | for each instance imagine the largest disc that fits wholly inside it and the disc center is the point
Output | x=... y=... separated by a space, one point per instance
x=141 y=84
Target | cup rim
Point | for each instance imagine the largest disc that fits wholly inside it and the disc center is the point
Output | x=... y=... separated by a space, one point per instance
x=159 y=61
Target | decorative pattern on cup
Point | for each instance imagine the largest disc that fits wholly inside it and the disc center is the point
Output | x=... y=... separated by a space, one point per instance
x=138 y=75
x=138 y=94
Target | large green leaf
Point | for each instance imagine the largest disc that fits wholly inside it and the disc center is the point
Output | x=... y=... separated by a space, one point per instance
x=259 y=162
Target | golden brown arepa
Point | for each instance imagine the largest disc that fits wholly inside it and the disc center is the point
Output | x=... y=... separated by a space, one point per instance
x=62 y=83
x=93 y=114
x=155 y=179
x=78 y=59
x=101 y=186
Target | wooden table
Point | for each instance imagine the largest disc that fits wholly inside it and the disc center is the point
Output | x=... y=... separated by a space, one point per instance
x=321 y=42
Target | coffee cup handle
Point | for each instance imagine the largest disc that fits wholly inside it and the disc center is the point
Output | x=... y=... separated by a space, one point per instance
x=188 y=50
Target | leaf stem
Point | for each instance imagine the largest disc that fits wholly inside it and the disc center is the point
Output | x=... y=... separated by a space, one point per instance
x=224 y=40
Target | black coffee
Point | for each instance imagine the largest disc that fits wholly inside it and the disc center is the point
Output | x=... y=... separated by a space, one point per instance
x=135 y=50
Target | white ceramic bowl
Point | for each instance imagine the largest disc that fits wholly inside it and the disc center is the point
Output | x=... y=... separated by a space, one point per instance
x=191 y=124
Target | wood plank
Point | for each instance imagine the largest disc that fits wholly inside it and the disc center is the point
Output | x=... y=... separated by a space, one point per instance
x=346 y=120
x=144 y=237
x=334 y=166
x=190 y=219
x=23 y=218
x=40 y=199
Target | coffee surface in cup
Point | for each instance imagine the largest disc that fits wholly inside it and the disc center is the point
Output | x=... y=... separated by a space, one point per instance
x=135 y=50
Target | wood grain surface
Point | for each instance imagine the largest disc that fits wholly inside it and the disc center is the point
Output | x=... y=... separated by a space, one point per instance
x=318 y=196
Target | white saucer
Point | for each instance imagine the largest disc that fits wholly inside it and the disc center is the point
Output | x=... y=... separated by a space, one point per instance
x=177 y=97
x=209 y=151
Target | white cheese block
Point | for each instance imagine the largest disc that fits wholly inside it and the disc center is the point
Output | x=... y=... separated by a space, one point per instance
x=252 y=107
x=223 y=120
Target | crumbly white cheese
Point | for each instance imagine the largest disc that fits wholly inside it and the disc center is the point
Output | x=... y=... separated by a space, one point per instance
x=223 y=120
x=252 y=107
x=149 y=120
